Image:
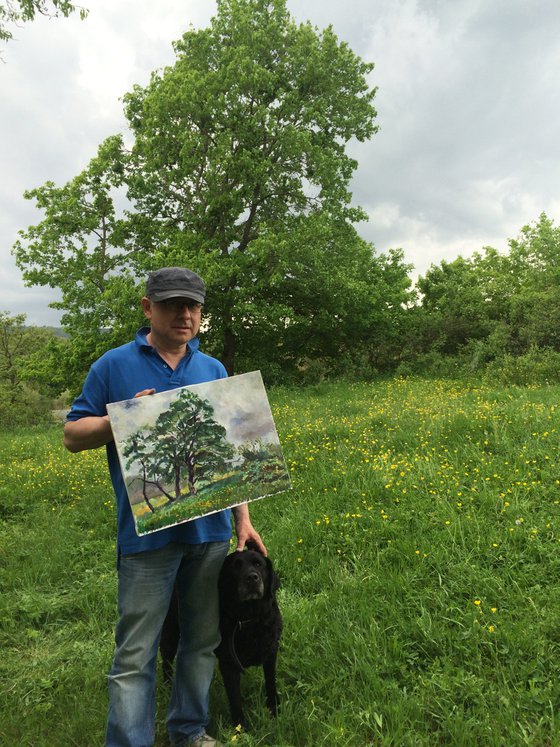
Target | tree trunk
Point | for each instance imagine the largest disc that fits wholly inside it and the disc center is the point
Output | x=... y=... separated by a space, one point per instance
x=177 y=481
x=228 y=354
x=144 y=491
x=191 y=478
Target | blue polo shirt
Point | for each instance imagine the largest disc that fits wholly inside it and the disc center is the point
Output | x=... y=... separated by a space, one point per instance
x=120 y=374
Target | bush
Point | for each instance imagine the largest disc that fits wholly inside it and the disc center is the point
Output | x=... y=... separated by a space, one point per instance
x=538 y=366
x=27 y=407
x=432 y=364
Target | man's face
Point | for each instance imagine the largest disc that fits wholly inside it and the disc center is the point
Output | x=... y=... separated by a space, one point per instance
x=175 y=321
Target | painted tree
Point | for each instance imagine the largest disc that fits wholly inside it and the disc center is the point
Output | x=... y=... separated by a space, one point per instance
x=185 y=442
x=137 y=451
x=261 y=462
x=191 y=439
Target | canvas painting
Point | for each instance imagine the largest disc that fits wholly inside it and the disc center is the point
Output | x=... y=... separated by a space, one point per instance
x=197 y=450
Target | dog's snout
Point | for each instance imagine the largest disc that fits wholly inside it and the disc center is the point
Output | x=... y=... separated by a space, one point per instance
x=251 y=583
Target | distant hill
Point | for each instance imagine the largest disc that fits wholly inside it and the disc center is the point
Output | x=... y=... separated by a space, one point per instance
x=56 y=331
x=59 y=332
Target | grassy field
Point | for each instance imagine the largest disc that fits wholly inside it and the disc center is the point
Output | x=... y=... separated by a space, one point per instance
x=419 y=552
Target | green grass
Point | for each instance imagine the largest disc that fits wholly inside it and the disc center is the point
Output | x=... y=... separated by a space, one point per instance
x=419 y=553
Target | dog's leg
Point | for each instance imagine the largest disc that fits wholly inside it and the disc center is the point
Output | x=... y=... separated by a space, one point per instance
x=269 y=668
x=232 y=683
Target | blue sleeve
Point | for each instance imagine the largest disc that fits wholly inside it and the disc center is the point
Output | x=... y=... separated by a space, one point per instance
x=93 y=398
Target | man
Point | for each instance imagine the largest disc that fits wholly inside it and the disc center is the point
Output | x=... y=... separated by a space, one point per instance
x=163 y=356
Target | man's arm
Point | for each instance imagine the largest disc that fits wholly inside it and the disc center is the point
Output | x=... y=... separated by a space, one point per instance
x=87 y=433
x=244 y=529
x=92 y=431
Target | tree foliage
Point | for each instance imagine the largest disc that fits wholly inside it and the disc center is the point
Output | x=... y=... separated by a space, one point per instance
x=535 y=305
x=238 y=169
x=82 y=248
x=493 y=305
x=29 y=376
x=15 y=12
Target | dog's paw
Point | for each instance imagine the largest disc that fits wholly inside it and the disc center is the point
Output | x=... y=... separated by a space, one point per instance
x=273 y=704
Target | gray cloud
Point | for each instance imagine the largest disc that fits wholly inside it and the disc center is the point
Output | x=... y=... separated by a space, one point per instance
x=466 y=107
x=468 y=104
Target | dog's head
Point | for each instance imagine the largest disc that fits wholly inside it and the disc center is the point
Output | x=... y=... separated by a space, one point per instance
x=248 y=576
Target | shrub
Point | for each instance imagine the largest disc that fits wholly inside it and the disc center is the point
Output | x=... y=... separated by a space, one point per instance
x=537 y=366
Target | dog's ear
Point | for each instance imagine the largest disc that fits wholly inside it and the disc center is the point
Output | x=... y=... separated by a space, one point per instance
x=273 y=578
x=275 y=585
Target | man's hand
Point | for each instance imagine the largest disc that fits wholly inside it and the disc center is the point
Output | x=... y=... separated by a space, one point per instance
x=245 y=531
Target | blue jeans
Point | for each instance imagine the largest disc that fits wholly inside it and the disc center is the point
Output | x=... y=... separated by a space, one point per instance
x=146 y=583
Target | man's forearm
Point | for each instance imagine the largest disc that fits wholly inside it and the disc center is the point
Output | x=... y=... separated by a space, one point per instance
x=87 y=433
x=241 y=513
x=244 y=528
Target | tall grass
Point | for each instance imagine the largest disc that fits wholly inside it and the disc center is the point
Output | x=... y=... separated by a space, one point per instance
x=419 y=553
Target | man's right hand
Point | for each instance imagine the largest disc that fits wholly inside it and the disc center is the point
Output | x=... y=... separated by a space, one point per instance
x=144 y=393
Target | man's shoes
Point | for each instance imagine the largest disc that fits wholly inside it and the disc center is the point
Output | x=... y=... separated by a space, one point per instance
x=205 y=741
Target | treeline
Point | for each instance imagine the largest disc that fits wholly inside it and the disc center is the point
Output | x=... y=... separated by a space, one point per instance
x=31 y=375
x=493 y=316
x=493 y=313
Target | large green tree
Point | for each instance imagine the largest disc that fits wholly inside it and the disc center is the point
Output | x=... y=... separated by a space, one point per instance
x=237 y=143
x=238 y=168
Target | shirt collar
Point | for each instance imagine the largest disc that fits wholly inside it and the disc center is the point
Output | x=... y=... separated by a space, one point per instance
x=142 y=334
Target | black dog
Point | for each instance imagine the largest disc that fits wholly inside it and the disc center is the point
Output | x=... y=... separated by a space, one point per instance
x=250 y=624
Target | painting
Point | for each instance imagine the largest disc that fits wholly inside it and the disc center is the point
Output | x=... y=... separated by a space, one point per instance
x=196 y=450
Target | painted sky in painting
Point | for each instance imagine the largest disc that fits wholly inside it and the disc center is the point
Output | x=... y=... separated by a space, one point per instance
x=240 y=404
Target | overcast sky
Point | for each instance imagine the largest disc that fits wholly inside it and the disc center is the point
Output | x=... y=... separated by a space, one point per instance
x=468 y=109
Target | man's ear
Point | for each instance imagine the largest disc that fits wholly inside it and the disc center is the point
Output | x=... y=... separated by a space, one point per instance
x=146 y=307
